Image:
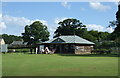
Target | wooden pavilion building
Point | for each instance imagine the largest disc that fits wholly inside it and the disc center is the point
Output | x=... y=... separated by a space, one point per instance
x=70 y=44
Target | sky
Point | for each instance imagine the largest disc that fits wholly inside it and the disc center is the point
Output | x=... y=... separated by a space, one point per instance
x=95 y=15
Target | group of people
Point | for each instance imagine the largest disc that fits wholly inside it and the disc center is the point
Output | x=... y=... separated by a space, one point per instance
x=47 y=51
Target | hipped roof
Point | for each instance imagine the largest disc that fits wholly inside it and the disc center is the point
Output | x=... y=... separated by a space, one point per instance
x=18 y=43
x=69 y=39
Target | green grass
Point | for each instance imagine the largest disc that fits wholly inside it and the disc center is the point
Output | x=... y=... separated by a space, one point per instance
x=18 y=64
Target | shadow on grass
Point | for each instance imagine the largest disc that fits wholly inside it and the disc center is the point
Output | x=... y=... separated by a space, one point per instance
x=80 y=55
x=91 y=55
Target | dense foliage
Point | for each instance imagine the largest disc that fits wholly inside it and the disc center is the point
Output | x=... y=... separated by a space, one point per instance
x=10 y=38
x=116 y=24
x=72 y=26
x=35 y=32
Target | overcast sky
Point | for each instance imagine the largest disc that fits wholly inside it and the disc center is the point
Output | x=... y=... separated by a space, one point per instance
x=96 y=16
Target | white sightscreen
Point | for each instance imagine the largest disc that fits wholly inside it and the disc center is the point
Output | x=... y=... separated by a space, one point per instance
x=3 y=48
x=41 y=47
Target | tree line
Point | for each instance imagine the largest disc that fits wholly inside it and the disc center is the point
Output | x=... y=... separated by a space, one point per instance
x=10 y=38
x=38 y=32
x=32 y=37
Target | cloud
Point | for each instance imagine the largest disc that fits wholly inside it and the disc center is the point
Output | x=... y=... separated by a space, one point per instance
x=58 y=19
x=15 y=25
x=99 y=28
x=19 y=21
x=15 y=21
x=53 y=27
x=82 y=9
x=66 y=5
x=2 y=24
x=116 y=3
x=99 y=6
x=0 y=16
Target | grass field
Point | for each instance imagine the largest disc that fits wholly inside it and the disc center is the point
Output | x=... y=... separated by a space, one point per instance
x=18 y=64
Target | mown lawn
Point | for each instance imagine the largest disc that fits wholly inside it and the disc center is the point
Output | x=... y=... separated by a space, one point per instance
x=18 y=64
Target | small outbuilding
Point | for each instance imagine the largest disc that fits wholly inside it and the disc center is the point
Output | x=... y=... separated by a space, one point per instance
x=70 y=44
x=17 y=44
x=3 y=46
x=2 y=41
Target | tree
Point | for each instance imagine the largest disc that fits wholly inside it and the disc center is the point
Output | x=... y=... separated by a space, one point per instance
x=117 y=29
x=97 y=36
x=35 y=32
x=116 y=24
x=10 y=38
x=89 y=37
x=70 y=26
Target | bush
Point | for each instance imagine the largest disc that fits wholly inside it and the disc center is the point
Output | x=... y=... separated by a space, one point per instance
x=102 y=51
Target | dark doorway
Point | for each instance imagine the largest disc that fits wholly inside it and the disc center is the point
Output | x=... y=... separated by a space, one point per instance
x=63 y=48
x=58 y=49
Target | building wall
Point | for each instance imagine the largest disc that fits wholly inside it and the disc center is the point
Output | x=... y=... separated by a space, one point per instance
x=4 y=48
x=71 y=48
x=2 y=42
x=61 y=48
x=83 y=49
